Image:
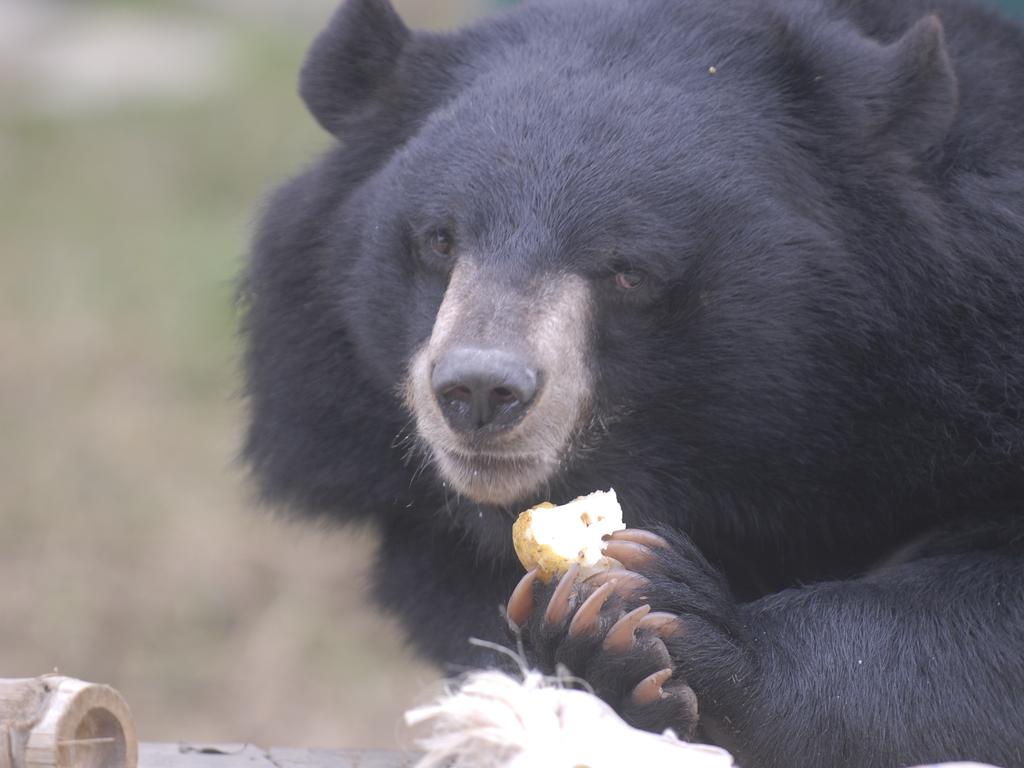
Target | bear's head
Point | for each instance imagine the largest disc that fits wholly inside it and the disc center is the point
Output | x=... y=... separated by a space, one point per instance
x=586 y=244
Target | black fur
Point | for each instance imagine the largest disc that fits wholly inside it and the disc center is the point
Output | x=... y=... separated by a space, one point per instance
x=819 y=389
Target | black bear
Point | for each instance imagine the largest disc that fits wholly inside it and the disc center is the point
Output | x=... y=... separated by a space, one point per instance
x=759 y=266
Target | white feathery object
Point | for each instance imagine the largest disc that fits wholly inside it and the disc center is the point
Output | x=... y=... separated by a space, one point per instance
x=492 y=720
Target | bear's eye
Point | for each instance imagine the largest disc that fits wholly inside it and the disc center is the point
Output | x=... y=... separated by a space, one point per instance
x=441 y=242
x=627 y=279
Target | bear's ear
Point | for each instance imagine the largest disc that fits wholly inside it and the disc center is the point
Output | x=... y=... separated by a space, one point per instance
x=911 y=94
x=352 y=62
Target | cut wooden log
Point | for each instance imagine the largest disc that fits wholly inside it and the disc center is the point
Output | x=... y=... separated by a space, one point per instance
x=59 y=722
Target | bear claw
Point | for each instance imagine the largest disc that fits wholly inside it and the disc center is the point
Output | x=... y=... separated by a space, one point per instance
x=659 y=649
x=558 y=605
x=649 y=690
x=640 y=536
x=520 y=604
x=628 y=582
x=662 y=624
x=587 y=614
x=633 y=555
x=686 y=697
x=621 y=636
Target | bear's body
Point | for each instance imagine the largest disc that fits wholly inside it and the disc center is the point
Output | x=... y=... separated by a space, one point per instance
x=759 y=266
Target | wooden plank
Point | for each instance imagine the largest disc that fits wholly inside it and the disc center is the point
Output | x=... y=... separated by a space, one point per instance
x=163 y=755
x=168 y=755
x=342 y=758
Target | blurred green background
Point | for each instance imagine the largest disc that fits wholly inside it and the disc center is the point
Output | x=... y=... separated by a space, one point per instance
x=136 y=139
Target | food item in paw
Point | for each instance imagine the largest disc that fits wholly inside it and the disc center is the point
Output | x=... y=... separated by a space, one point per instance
x=552 y=538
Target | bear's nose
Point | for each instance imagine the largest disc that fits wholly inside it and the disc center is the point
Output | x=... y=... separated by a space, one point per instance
x=477 y=388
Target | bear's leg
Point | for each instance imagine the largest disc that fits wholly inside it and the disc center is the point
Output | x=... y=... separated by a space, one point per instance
x=919 y=662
